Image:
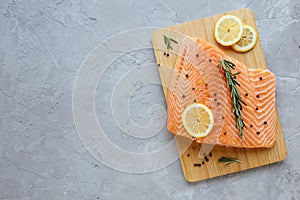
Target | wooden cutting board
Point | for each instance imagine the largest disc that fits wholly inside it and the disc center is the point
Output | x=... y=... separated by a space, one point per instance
x=210 y=167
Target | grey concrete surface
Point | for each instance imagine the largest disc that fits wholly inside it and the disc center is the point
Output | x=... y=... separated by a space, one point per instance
x=42 y=45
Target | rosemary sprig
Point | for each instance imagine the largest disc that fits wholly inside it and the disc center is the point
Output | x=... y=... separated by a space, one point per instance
x=168 y=42
x=228 y=160
x=235 y=95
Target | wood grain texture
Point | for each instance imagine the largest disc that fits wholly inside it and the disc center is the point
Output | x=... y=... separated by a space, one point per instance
x=251 y=158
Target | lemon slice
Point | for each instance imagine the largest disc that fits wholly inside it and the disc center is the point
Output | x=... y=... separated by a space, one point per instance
x=248 y=40
x=198 y=120
x=228 y=30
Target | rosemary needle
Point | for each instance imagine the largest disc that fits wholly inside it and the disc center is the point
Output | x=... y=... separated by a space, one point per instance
x=228 y=160
x=237 y=102
x=168 y=42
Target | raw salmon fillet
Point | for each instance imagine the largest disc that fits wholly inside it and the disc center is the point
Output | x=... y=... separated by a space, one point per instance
x=198 y=78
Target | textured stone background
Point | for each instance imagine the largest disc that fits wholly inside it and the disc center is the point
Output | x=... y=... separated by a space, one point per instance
x=42 y=45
